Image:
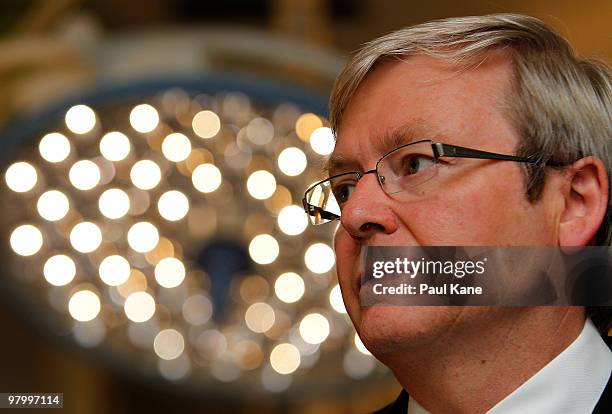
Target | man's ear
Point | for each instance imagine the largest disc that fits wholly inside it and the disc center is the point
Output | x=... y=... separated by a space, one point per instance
x=586 y=202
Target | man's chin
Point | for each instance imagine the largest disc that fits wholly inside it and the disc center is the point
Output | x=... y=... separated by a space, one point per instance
x=389 y=329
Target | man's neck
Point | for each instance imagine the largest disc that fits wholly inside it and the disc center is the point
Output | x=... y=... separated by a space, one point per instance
x=470 y=373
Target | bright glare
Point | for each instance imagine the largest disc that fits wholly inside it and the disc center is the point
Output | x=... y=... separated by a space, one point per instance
x=261 y=184
x=314 y=328
x=176 y=147
x=306 y=124
x=145 y=174
x=319 y=258
x=285 y=358
x=85 y=237
x=114 y=270
x=263 y=249
x=53 y=205
x=26 y=240
x=84 y=305
x=21 y=177
x=360 y=346
x=260 y=131
x=206 y=178
x=292 y=220
x=84 y=175
x=289 y=287
x=197 y=309
x=114 y=146
x=322 y=141
x=80 y=119
x=170 y=272
x=59 y=270
x=139 y=307
x=356 y=365
x=248 y=354
x=144 y=118
x=169 y=344
x=336 y=301
x=259 y=317
x=206 y=124
x=173 y=205
x=292 y=161
x=114 y=203
x=54 y=147
x=143 y=237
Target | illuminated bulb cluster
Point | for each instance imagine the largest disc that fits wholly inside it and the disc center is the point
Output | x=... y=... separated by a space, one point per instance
x=206 y=124
x=59 y=270
x=144 y=118
x=114 y=270
x=145 y=174
x=264 y=249
x=115 y=146
x=169 y=272
x=261 y=184
x=85 y=237
x=21 y=177
x=176 y=147
x=173 y=205
x=26 y=240
x=139 y=307
x=150 y=192
x=289 y=287
x=206 y=178
x=84 y=175
x=143 y=237
x=114 y=203
x=54 y=147
x=84 y=305
x=53 y=205
x=80 y=119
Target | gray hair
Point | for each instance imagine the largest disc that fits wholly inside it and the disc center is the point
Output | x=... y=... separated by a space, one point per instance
x=560 y=105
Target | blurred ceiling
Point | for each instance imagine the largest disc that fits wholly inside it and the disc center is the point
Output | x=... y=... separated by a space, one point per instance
x=338 y=24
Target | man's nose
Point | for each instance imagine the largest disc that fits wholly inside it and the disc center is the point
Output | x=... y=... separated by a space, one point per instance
x=368 y=211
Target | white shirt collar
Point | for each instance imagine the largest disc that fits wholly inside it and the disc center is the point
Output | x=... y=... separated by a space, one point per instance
x=571 y=383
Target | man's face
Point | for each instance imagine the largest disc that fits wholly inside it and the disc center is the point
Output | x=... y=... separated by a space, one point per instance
x=468 y=202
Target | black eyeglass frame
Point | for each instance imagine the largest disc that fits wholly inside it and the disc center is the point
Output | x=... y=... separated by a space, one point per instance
x=439 y=150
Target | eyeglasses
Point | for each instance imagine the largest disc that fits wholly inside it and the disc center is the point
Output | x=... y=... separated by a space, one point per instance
x=399 y=170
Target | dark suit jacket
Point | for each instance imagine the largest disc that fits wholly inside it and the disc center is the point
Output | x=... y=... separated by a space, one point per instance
x=604 y=405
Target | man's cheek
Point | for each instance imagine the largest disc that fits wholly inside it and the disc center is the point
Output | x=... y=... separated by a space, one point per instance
x=435 y=222
x=347 y=263
x=349 y=296
x=344 y=245
x=463 y=218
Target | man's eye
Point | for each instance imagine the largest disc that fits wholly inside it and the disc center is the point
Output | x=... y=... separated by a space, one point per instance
x=343 y=192
x=414 y=163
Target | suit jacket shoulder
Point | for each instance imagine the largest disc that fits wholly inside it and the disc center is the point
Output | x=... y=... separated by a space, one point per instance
x=603 y=406
x=400 y=405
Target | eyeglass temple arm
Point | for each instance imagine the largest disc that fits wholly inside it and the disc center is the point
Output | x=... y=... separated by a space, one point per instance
x=445 y=150
x=318 y=211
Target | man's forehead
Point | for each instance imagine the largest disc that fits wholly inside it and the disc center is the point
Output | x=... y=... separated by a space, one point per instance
x=419 y=98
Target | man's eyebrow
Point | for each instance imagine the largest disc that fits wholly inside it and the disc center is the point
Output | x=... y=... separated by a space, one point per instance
x=390 y=140
x=337 y=162
x=402 y=135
